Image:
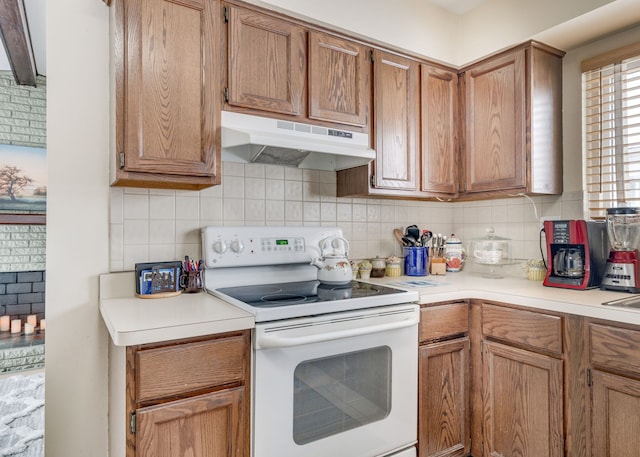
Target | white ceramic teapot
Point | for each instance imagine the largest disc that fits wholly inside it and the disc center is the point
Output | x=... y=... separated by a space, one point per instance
x=333 y=264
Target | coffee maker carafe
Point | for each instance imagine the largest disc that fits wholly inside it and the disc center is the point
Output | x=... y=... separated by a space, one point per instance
x=576 y=253
x=623 y=228
x=568 y=262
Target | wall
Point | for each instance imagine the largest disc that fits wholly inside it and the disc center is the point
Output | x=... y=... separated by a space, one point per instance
x=572 y=100
x=423 y=28
x=22 y=112
x=154 y=225
x=22 y=247
x=78 y=148
x=78 y=136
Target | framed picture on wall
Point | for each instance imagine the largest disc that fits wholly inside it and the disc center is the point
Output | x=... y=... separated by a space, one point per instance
x=23 y=185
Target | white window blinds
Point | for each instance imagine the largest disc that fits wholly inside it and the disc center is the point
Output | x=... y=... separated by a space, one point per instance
x=612 y=134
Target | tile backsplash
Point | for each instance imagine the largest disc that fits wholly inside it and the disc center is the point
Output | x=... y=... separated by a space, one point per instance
x=156 y=225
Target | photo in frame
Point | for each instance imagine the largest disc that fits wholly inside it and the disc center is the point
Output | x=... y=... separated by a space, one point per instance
x=23 y=184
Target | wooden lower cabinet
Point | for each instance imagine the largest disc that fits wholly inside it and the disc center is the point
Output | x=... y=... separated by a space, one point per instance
x=208 y=425
x=444 y=420
x=615 y=415
x=443 y=399
x=189 y=398
x=614 y=357
x=523 y=403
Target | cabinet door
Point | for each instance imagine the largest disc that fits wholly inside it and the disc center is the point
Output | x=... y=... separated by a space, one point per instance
x=443 y=411
x=339 y=80
x=396 y=98
x=168 y=74
x=209 y=425
x=523 y=403
x=495 y=131
x=439 y=108
x=267 y=63
x=616 y=418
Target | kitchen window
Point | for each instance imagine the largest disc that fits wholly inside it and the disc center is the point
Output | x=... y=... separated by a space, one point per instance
x=611 y=126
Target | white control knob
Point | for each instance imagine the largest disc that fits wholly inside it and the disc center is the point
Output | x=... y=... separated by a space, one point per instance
x=219 y=246
x=237 y=246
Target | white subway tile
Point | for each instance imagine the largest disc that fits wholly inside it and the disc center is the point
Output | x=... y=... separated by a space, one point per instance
x=162 y=207
x=293 y=191
x=162 y=232
x=274 y=189
x=210 y=208
x=254 y=210
x=187 y=208
x=311 y=211
x=136 y=231
x=232 y=169
x=292 y=212
x=136 y=206
x=254 y=188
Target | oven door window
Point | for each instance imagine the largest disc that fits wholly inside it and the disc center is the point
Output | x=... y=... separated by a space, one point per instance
x=339 y=393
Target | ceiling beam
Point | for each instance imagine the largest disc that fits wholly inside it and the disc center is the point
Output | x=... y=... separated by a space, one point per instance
x=15 y=37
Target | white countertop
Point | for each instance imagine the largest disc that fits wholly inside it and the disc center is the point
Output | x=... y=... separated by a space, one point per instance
x=518 y=291
x=132 y=320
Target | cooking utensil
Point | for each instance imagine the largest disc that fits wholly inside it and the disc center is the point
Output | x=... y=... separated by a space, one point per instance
x=425 y=237
x=397 y=233
x=409 y=241
x=413 y=231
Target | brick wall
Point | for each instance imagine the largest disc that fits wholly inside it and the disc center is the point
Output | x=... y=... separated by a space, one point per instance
x=22 y=112
x=22 y=247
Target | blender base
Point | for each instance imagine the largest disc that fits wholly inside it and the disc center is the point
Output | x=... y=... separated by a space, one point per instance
x=622 y=272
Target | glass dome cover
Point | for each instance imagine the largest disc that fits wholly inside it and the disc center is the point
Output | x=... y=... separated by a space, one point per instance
x=491 y=249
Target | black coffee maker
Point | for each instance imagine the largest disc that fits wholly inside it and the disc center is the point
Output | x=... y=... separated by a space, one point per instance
x=577 y=253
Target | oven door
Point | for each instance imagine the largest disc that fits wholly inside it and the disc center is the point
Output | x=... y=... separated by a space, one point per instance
x=342 y=384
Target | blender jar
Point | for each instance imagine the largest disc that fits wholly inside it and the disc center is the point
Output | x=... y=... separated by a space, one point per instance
x=623 y=228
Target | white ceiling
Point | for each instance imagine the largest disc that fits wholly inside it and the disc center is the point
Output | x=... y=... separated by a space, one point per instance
x=35 y=15
x=457 y=6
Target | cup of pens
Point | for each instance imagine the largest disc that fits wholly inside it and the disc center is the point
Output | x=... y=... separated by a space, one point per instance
x=191 y=278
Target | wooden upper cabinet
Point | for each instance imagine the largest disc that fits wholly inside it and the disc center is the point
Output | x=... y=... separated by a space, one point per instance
x=439 y=109
x=396 y=117
x=513 y=122
x=495 y=124
x=339 y=80
x=168 y=96
x=267 y=63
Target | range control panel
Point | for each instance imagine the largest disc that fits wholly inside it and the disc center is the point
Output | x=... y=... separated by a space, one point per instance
x=251 y=246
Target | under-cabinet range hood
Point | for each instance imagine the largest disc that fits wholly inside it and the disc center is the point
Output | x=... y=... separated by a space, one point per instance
x=248 y=138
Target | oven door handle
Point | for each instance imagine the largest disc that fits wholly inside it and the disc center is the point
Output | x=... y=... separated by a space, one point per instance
x=279 y=339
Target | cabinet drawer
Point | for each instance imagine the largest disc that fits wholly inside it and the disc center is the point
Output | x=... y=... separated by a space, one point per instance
x=189 y=367
x=526 y=328
x=615 y=348
x=443 y=320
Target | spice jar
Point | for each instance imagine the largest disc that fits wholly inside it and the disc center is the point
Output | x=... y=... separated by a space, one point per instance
x=393 y=266
x=377 y=267
x=364 y=268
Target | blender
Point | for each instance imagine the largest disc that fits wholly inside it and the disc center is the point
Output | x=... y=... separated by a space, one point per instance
x=623 y=229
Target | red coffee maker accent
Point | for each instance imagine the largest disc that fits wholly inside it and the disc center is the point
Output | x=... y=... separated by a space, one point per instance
x=576 y=253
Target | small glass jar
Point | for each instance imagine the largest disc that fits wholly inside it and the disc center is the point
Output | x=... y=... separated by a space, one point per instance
x=394 y=268
x=364 y=269
x=536 y=270
x=377 y=267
